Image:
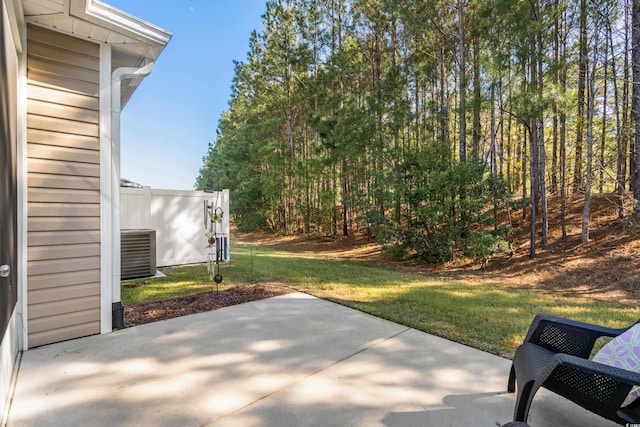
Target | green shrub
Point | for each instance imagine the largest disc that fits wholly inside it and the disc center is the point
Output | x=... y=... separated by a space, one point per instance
x=449 y=215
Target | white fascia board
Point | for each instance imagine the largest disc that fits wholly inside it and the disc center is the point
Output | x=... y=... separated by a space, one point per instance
x=103 y=14
x=16 y=22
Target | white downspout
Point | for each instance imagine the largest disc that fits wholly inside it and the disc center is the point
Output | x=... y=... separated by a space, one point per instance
x=117 y=309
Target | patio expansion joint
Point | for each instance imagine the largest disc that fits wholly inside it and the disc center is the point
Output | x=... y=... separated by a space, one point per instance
x=4 y=417
x=311 y=374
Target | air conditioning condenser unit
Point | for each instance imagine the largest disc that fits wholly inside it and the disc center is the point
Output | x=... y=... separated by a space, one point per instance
x=138 y=253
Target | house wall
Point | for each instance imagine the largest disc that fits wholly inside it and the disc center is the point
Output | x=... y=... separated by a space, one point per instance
x=63 y=164
x=10 y=133
x=178 y=218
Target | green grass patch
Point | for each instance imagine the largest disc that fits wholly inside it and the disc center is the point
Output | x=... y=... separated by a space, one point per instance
x=179 y=282
x=491 y=318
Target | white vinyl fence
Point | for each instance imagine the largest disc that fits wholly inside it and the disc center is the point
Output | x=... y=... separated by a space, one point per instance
x=181 y=220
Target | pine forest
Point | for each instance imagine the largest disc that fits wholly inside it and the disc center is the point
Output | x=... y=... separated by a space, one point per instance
x=420 y=123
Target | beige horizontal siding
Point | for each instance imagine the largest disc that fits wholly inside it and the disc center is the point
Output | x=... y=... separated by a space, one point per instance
x=63 y=223
x=79 y=155
x=49 y=52
x=82 y=324
x=44 y=296
x=55 y=81
x=68 y=182
x=64 y=209
x=62 y=251
x=39 y=136
x=53 y=282
x=63 y=306
x=41 y=36
x=63 y=195
x=60 y=69
x=62 y=125
x=55 y=96
x=59 y=237
x=61 y=167
x=49 y=109
x=63 y=200
x=35 y=268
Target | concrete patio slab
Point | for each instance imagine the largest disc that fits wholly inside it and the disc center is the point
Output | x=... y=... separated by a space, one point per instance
x=292 y=360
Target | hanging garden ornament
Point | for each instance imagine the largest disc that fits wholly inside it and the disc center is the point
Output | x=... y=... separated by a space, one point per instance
x=215 y=215
x=213 y=260
x=211 y=239
x=211 y=266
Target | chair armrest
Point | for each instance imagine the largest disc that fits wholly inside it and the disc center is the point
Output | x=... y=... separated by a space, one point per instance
x=589 y=367
x=562 y=335
x=600 y=388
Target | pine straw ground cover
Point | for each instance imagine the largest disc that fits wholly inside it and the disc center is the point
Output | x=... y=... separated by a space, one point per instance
x=197 y=303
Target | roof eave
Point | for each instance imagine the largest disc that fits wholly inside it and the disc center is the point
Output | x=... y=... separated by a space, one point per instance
x=135 y=41
x=100 y=13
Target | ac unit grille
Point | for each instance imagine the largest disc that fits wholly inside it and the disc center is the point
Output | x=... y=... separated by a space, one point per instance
x=138 y=253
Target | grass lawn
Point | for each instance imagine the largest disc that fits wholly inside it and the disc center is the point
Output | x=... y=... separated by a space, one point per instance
x=490 y=318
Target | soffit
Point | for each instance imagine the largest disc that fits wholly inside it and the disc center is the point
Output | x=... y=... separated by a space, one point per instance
x=134 y=41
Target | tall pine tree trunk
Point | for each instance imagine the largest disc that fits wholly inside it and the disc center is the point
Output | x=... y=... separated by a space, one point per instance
x=494 y=166
x=462 y=71
x=556 y=78
x=563 y=130
x=477 y=98
x=582 y=72
x=635 y=110
x=534 y=161
x=626 y=131
x=603 y=135
x=619 y=146
x=542 y=175
x=590 y=114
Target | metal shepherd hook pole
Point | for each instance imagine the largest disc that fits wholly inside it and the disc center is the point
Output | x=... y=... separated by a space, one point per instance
x=214 y=215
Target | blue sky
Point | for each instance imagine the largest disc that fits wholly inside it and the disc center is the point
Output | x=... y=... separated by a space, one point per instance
x=170 y=120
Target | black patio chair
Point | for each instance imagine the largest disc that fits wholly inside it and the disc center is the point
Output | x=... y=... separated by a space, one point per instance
x=555 y=355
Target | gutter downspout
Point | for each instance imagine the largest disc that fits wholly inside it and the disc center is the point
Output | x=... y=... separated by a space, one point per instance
x=117 y=309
